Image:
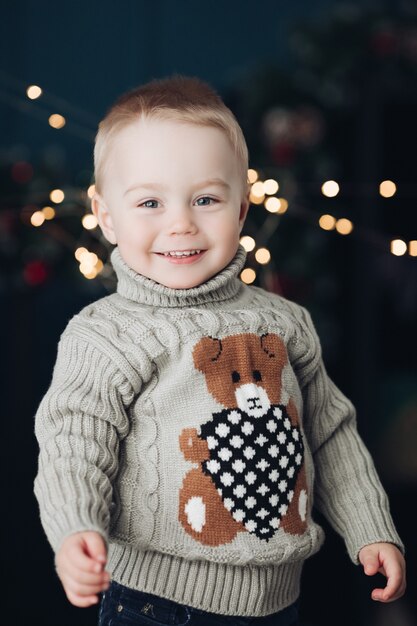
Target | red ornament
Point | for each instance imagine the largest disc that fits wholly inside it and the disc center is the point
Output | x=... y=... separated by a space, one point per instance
x=35 y=273
x=384 y=43
x=22 y=172
x=283 y=153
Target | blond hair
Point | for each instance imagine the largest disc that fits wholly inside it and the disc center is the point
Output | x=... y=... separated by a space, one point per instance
x=181 y=98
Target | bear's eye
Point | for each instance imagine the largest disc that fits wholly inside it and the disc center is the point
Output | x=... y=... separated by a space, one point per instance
x=257 y=375
x=235 y=377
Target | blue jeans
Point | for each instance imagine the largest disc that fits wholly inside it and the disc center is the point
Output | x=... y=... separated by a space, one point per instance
x=121 y=606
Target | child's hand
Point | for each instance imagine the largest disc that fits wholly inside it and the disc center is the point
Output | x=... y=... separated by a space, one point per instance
x=80 y=565
x=386 y=559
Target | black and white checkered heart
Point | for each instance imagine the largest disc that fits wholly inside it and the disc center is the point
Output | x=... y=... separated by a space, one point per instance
x=254 y=463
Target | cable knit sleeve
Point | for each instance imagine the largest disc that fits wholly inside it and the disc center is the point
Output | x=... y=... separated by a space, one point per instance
x=347 y=488
x=79 y=425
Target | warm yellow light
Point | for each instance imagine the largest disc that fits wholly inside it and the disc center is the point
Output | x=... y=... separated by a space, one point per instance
x=398 y=247
x=271 y=186
x=263 y=256
x=387 y=188
x=93 y=258
x=49 y=212
x=248 y=243
x=90 y=275
x=327 y=222
x=248 y=275
x=273 y=205
x=88 y=262
x=258 y=189
x=252 y=176
x=412 y=247
x=91 y=191
x=344 y=226
x=79 y=253
x=33 y=92
x=283 y=205
x=89 y=221
x=330 y=188
x=256 y=199
x=37 y=218
x=57 y=196
x=57 y=121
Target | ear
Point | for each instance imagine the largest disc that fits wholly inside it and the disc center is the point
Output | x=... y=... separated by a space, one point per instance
x=206 y=352
x=104 y=218
x=244 y=208
x=272 y=345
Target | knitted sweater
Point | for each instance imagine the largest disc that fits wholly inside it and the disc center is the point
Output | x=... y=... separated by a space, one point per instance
x=194 y=429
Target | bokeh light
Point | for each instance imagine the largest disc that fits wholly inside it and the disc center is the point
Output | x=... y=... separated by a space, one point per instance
x=330 y=188
x=37 y=218
x=49 y=212
x=33 y=92
x=258 y=190
x=263 y=256
x=344 y=226
x=398 y=247
x=327 y=222
x=57 y=121
x=248 y=275
x=273 y=205
x=387 y=188
x=248 y=243
x=252 y=176
x=270 y=186
x=89 y=221
x=57 y=196
x=80 y=252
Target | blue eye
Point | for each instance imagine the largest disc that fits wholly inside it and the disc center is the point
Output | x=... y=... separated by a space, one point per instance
x=146 y=204
x=205 y=198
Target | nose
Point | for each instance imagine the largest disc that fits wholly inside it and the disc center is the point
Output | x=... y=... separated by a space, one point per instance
x=182 y=221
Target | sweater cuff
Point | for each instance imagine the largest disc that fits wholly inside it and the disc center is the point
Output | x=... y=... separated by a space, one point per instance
x=366 y=528
x=68 y=520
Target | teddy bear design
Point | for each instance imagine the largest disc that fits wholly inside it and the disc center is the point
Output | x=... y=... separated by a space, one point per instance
x=251 y=475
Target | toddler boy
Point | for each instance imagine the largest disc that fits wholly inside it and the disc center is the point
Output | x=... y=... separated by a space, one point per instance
x=190 y=423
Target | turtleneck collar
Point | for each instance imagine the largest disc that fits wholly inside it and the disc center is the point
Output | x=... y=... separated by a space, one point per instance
x=143 y=290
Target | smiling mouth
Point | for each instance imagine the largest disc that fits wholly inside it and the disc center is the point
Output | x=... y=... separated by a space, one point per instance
x=178 y=254
x=182 y=257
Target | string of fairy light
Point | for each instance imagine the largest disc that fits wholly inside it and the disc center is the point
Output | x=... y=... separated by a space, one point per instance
x=90 y=264
x=262 y=193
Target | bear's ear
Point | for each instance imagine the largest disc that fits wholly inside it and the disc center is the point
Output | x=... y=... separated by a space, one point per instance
x=272 y=345
x=206 y=352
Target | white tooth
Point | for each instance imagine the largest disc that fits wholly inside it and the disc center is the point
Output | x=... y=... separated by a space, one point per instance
x=177 y=253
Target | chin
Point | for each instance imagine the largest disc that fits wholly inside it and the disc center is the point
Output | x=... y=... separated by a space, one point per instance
x=185 y=285
x=176 y=283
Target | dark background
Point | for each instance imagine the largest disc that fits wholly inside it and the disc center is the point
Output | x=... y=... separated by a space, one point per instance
x=323 y=90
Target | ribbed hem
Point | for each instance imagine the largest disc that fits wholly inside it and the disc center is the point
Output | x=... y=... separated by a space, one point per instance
x=251 y=590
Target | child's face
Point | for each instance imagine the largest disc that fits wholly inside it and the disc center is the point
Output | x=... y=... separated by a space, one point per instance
x=160 y=200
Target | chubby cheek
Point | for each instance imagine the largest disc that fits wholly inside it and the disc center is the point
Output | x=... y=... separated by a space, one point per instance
x=134 y=247
x=228 y=240
x=131 y=232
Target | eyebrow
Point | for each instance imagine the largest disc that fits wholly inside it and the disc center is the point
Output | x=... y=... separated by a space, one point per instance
x=157 y=186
